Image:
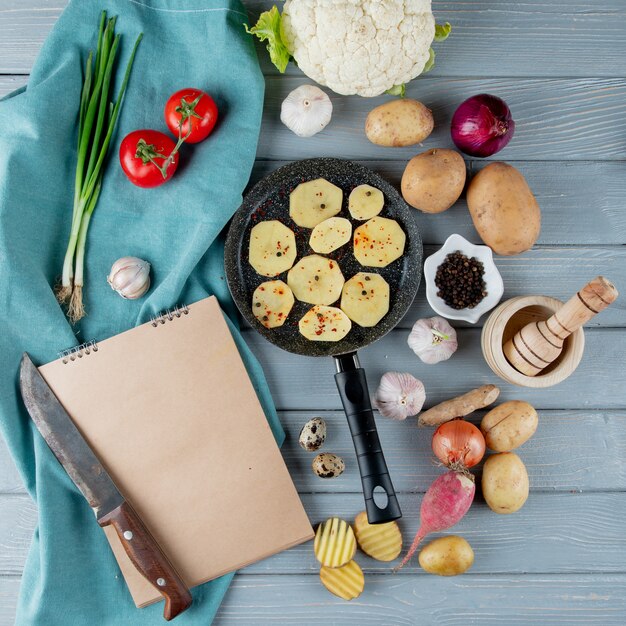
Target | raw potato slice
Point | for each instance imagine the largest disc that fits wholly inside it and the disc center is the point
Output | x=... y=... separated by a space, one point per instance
x=365 y=202
x=313 y=202
x=330 y=235
x=379 y=242
x=334 y=543
x=365 y=299
x=272 y=248
x=316 y=279
x=272 y=302
x=382 y=542
x=347 y=581
x=325 y=323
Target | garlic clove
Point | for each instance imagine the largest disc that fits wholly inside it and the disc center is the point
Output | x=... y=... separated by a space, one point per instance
x=399 y=395
x=130 y=277
x=306 y=110
x=433 y=339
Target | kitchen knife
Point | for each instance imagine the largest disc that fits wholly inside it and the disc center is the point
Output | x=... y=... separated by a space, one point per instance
x=93 y=481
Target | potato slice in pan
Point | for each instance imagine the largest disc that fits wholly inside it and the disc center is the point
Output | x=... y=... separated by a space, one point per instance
x=312 y=202
x=365 y=298
x=379 y=242
x=272 y=248
x=316 y=279
x=382 y=542
x=365 y=202
x=330 y=235
x=272 y=302
x=325 y=323
x=347 y=581
x=334 y=543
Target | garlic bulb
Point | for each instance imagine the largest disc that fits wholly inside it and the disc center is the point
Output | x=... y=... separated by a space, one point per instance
x=306 y=110
x=433 y=339
x=399 y=395
x=130 y=277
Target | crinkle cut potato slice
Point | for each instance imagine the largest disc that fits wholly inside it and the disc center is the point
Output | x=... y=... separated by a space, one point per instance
x=365 y=202
x=272 y=248
x=313 y=202
x=325 y=323
x=382 y=542
x=316 y=280
x=379 y=242
x=365 y=298
x=334 y=543
x=330 y=234
x=347 y=581
x=272 y=302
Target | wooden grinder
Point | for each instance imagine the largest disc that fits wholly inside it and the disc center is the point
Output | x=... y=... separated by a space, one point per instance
x=538 y=344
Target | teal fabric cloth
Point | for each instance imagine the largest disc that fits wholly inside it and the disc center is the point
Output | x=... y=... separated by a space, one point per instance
x=71 y=577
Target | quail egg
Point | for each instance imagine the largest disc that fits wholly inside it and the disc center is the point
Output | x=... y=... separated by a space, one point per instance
x=313 y=434
x=328 y=465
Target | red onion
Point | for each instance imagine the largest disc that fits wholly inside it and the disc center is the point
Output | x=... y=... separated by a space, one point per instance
x=482 y=125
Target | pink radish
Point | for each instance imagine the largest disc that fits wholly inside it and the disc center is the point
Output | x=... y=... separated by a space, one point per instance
x=445 y=503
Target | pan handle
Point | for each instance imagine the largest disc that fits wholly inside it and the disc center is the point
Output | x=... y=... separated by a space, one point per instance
x=350 y=379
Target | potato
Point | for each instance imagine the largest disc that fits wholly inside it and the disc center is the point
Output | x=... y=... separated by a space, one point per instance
x=503 y=209
x=324 y=323
x=316 y=279
x=378 y=242
x=505 y=482
x=334 y=543
x=365 y=299
x=509 y=425
x=272 y=248
x=365 y=202
x=398 y=123
x=433 y=180
x=447 y=556
x=272 y=302
x=382 y=542
x=313 y=202
x=346 y=581
x=330 y=235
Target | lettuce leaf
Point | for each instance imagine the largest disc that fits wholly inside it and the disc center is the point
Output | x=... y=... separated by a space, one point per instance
x=442 y=31
x=268 y=28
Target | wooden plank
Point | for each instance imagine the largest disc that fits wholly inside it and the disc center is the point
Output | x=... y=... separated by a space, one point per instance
x=552 y=533
x=595 y=459
x=521 y=37
x=299 y=382
x=563 y=119
x=548 y=600
x=557 y=119
x=567 y=192
x=463 y=601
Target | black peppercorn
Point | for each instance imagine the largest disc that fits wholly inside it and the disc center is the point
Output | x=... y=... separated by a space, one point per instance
x=459 y=281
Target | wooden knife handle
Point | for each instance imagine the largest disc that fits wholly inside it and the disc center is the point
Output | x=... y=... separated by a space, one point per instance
x=148 y=558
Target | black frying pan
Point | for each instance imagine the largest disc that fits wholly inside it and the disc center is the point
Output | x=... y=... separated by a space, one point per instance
x=269 y=199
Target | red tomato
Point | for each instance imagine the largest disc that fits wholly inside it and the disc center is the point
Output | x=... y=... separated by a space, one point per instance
x=143 y=154
x=197 y=111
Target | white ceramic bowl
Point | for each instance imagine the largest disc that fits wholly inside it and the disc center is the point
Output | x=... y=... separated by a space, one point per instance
x=492 y=278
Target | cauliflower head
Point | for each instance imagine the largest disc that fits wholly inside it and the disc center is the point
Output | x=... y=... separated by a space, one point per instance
x=362 y=47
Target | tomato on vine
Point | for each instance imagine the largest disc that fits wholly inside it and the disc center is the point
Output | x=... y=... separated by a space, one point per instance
x=148 y=157
x=191 y=115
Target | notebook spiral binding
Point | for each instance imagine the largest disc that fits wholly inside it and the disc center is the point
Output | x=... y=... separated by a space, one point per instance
x=170 y=314
x=77 y=352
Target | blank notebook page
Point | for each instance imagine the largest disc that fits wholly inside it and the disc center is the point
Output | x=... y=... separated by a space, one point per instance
x=171 y=413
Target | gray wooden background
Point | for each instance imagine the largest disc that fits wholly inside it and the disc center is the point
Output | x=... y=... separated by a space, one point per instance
x=561 y=65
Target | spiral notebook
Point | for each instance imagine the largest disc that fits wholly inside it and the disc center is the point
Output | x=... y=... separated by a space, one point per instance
x=170 y=411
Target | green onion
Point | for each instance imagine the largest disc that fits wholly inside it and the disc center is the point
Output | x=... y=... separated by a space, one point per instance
x=97 y=118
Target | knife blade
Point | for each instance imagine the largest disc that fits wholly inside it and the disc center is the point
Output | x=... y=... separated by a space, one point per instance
x=98 y=488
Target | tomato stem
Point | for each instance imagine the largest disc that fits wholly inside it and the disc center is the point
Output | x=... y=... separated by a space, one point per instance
x=186 y=110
